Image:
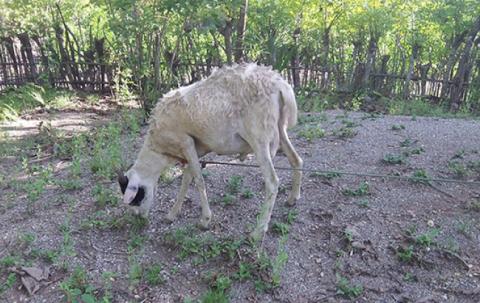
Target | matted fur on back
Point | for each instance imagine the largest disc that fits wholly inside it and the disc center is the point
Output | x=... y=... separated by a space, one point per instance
x=227 y=91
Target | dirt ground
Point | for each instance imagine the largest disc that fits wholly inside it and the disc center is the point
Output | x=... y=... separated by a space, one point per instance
x=390 y=240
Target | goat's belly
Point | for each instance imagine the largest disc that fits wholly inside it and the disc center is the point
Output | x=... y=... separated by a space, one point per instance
x=229 y=145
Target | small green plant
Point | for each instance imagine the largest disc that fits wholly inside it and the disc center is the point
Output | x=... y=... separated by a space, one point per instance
x=104 y=196
x=218 y=292
x=407 y=142
x=9 y=282
x=405 y=254
x=106 y=154
x=228 y=199
x=247 y=193
x=397 y=127
x=153 y=275
x=428 y=238
x=458 y=169
x=409 y=277
x=345 y=132
x=234 y=184
x=362 y=190
x=464 y=227
x=136 y=242
x=349 y=123
x=311 y=132
x=76 y=288
x=280 y=228
x=394 y=159
x=244 y=271
x=291 y=216
x=348 y=235
x=420 y=176
x=417 y=151
x=70 y=184
x=345 y=288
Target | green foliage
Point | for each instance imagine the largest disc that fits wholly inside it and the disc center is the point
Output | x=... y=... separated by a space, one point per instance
x=458 y=169
x=77 y=289
x=15 y=102
x=362 y=190
x=247 y=193
x=104 y=196
x=280 y=228
x=398 y=127
x=394 y=159
x=347 y=289
x=345 y=132
x=311 y=132
x=420 y=176
x=234 y=184
x=405 y=254
x=428 y=238
x=9 y=282
x=106 y=156
x=228 y=199
x=153 y=275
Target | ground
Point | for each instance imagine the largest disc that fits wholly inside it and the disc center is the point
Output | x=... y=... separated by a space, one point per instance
x=349 y=238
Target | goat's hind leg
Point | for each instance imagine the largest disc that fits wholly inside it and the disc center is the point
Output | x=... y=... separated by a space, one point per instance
x=186 y=180
x=296 y=162
x=262 y=153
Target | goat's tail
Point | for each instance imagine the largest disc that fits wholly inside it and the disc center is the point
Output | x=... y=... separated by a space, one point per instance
x=288 y=107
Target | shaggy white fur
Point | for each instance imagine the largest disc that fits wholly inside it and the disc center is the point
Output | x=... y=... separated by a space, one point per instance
x=237 y=110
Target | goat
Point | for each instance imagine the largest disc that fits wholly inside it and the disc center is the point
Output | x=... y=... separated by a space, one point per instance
x=237 y=110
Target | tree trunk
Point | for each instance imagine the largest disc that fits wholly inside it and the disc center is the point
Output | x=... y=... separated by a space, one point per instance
x=27 y=49
x=44 y=58
x=227 y=35
x=452 y=58
x=423 y=75
x=242 y=25
x=372 y=51
x=461 y=77
x=408 y=78
x=296 y=60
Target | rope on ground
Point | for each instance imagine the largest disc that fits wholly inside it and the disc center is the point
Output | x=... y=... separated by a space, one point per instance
x=334 y=172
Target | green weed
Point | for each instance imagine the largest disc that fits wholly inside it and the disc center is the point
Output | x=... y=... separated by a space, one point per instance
x=347 y=289
x=234 y=184
x=405 y=254
x=362 y=190
x=397 y=127
x=420 y=176
x=345 y=132
x=394 y=159
x=311 y=132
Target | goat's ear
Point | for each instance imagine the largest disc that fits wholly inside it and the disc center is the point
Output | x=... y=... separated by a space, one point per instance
x=123 y=181
x=138 y=197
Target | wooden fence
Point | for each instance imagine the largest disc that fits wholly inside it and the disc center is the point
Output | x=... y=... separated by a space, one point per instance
x=19 y=65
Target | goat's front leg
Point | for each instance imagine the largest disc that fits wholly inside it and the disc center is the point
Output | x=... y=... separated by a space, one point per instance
x=186 y=180
x=191 y=156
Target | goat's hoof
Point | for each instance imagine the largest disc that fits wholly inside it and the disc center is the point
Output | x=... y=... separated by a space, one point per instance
x=205 y=222
x=170 y=218
x=292 y=200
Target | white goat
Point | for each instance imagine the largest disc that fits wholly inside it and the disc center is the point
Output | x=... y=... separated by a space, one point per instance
x=237 y=110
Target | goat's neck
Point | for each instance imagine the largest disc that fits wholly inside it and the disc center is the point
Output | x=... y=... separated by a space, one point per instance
x=150 y=164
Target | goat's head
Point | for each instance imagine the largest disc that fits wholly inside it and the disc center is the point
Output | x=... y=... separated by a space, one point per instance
x=137 y=193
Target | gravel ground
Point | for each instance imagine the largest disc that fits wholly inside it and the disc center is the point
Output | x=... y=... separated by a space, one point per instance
x=334 y=236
